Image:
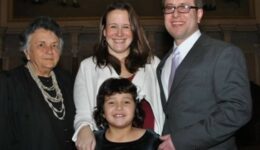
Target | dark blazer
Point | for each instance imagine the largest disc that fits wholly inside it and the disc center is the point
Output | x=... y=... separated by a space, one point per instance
x=210 y=97
x=3 y=97
x=30 y=123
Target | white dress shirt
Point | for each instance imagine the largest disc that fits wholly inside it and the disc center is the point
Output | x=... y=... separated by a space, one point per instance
x=183 y=48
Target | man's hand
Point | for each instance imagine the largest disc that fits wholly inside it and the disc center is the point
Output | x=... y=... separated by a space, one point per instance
x=167 y=143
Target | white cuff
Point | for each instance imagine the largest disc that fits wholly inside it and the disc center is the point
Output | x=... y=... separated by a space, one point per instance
x=75 y=135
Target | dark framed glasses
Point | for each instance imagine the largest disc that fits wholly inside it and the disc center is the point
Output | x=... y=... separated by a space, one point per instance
x=180 y=9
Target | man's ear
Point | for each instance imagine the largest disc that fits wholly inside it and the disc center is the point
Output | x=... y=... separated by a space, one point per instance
x=199 y=15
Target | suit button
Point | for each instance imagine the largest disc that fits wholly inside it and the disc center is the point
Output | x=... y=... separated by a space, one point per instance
x=167 y=116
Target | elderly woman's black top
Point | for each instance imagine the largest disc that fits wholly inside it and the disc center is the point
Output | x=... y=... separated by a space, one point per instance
x=29 y=122
x=149 y=141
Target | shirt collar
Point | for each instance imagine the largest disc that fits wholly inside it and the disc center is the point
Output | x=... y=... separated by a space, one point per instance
x=186 y=45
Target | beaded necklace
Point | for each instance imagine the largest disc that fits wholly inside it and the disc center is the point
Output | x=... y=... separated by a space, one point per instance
x=58 y=112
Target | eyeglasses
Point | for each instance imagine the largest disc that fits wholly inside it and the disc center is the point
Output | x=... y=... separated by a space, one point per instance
x=181 y=9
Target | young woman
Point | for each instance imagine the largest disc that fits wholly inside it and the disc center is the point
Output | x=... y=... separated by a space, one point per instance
x=123 y=52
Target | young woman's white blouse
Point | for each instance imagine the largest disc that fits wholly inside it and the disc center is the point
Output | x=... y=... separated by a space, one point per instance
x=90 y=77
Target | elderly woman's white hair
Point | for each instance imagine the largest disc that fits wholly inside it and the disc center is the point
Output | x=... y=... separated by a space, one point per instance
x=44 y=22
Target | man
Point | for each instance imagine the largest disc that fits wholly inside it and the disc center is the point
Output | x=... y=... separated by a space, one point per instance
x=209 y=97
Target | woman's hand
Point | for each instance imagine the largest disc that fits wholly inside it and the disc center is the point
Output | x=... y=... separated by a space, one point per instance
x=86 y=139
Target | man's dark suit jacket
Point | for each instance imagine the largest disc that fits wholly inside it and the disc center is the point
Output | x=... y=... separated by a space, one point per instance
x=209 y=99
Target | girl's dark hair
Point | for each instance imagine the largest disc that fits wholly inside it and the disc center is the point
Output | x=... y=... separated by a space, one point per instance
x=114 y=86
x=140 y=51
x=44 y=22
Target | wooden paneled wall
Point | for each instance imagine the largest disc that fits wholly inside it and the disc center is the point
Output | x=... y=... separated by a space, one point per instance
x=79 y=43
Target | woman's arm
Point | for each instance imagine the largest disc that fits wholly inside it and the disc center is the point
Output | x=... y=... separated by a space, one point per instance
x=84 y=98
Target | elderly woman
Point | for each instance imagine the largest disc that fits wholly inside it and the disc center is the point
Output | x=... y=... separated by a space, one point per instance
x=40 y=108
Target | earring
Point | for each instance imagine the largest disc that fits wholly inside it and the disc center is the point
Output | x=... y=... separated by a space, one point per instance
x=104 y=43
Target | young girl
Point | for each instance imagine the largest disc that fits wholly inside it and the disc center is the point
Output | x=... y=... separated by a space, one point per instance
x=119 y=117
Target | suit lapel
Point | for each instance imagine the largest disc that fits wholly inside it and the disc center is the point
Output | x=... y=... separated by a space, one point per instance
x=188 y=62
x=159 y=74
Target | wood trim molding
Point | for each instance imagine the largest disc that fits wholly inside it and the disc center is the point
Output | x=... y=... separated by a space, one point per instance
x=8 y=20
